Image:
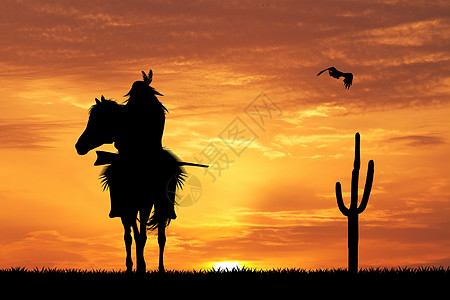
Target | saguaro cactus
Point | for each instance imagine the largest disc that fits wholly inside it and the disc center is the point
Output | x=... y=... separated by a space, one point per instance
x=353 y=212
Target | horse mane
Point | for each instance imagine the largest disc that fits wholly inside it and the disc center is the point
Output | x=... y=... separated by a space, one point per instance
x=105 y=103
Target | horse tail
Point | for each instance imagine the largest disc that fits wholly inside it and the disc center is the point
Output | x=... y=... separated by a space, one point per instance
x=174 y=176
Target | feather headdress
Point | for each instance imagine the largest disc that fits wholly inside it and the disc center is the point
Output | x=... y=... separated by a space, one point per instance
x=148 y=78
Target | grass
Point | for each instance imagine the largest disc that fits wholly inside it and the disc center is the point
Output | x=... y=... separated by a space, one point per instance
x=244 y=283
x=372 y=274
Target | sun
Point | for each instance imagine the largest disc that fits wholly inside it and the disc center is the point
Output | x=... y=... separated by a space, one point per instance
x=227 y=266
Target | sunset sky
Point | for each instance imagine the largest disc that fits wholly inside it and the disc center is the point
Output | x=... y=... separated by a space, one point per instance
x=267 y=200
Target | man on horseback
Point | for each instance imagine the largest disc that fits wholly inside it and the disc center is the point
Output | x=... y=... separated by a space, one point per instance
x=144 y=120
x=140 y=147
x=143 y=176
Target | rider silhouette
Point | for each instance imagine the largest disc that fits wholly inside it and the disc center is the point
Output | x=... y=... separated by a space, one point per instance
x=144 y=121
x=143 y=161
x=143 y=176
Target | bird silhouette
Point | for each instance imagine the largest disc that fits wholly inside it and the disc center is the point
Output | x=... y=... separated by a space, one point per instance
x=348 y=77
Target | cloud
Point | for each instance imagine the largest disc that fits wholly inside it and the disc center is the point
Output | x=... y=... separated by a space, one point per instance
x=30 y=135
x=266 y=246
x=321 y=110
x=50 y=248
x=409 y=34
x=236 y=45
x=419 y=140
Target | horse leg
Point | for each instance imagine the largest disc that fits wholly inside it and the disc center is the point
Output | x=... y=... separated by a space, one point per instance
x=141 y=238
x=161 y=243
x=128 y=241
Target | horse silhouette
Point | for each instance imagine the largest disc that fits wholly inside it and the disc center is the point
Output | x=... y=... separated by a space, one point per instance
x=143 y=176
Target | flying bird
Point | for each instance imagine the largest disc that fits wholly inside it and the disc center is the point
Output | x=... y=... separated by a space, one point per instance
x=348 y=77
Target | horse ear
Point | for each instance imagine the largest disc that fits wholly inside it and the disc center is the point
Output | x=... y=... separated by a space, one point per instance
x=97 y=101
x=103 y=98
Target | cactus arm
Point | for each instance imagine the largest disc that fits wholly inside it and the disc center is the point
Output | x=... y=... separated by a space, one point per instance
x=344 y=210
x=367 y=187
x=357 y=162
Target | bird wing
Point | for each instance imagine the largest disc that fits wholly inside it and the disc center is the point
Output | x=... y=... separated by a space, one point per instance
x=348 y=80
x=332 y=69
x=322 y=71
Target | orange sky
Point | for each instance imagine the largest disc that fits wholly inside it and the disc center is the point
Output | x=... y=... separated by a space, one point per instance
x=274 y=205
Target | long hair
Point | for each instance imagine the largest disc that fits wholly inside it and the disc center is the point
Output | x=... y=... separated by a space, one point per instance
x=142 y=95
x=144 y=118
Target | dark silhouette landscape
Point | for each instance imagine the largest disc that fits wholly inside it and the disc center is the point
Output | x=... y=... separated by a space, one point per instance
x=242 y=148
x=394 y=282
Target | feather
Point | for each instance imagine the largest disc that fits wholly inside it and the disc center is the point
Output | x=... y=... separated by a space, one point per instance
x=147 y=78
x=144 y=76
x=150 y=76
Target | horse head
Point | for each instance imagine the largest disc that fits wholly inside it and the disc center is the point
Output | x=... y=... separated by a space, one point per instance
x=102 y=126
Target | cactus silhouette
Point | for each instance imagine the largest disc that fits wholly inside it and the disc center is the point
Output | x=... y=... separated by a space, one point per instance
x=353 y=212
